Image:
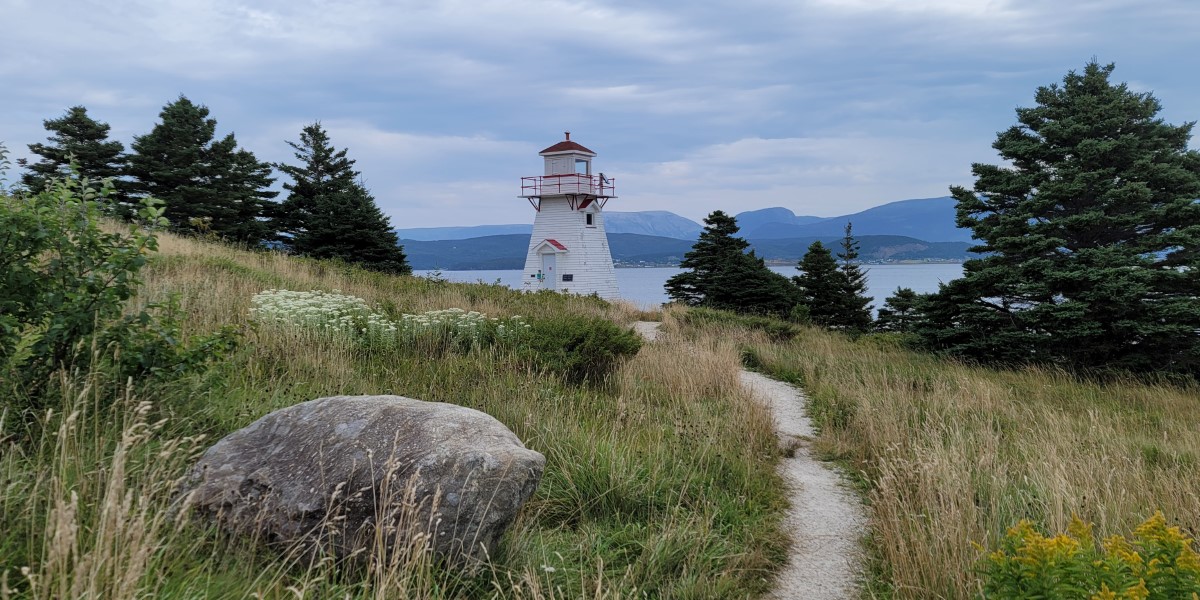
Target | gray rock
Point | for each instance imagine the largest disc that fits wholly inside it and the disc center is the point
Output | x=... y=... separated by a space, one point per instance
x=322 y=476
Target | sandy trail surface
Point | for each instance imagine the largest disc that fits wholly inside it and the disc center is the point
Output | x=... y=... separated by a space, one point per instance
x=826 y=520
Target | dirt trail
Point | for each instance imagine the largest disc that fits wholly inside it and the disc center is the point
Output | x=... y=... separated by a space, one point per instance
x=826 y=520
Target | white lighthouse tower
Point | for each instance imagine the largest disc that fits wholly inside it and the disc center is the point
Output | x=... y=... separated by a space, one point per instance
x=568 y=250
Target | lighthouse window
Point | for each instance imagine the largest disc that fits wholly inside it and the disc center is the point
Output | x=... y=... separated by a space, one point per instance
x=581 y=166
x=590 y=218
x=569 y=277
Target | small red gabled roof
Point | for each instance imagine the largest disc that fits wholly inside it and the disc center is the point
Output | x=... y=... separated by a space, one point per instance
x=566 y=146
x=556 y=244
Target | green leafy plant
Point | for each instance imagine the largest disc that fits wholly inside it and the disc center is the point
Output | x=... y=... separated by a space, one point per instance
x=581 y=349
x=66 y=278
x=1159 y=563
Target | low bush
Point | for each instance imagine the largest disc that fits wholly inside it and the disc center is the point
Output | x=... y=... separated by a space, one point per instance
x=66 y=281
x=1159 y=563
x=581 y=349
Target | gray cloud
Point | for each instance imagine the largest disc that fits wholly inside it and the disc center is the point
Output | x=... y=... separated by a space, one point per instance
x=823 y=106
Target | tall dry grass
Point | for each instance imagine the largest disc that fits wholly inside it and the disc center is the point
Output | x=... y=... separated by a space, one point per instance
x=952 y=454
x=659 y=483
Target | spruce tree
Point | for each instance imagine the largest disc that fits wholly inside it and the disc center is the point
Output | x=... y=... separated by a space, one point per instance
x=855 y=311
x=79 y=138
x=1093 y=238
x=900 y=311
x=328 y=213
x=206 y=186
x=723 y=275
x=821 y=286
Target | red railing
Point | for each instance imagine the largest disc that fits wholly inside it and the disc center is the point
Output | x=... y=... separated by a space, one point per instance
x=570 y=183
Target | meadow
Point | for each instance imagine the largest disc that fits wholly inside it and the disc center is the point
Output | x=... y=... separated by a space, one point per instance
x=950 y=456
x=650 y=490
x=660 y=478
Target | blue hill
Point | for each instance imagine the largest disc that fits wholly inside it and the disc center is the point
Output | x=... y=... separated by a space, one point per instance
x=930 y=219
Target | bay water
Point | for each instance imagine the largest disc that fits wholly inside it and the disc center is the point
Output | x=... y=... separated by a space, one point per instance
x=644 y=286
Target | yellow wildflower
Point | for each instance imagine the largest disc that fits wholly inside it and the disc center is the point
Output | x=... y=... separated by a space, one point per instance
x=1080 y=530
x=1104 y=593
x=1137 y=592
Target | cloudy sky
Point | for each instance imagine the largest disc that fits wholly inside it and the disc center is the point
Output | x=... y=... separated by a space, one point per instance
x=822 y=106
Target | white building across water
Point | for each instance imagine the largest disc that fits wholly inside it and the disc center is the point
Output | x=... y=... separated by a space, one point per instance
x=568 y=251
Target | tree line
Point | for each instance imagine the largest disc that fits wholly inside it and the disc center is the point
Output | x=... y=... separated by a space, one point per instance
x=1088 y=253
x=213 y=187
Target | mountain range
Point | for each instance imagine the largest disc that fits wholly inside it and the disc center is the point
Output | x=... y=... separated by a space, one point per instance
x=929 y=219
x=907 y=230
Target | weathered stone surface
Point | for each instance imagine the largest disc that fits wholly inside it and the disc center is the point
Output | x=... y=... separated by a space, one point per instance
x=325 y=473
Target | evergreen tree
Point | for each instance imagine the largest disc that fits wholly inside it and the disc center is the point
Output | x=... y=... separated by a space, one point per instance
x=1093 y=235
x=900 y=311
x=834 y=295
x=821 y=285
x=206 y=186
x=855 y=311
x=723 y=275
x=77 y=137
x=329 y=214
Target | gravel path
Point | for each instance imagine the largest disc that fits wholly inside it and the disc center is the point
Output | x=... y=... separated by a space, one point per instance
x=826 y=520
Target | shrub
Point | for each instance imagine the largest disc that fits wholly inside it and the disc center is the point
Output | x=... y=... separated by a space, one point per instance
x=1158 y=564
x=581 y=349
x=65 y=282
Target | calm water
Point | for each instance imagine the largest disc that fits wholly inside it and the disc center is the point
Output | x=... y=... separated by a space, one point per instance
x=644 y=287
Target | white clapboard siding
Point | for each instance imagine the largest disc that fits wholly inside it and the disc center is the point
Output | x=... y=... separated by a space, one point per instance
x=587 y=258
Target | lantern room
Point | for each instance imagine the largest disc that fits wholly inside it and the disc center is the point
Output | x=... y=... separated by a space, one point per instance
x=568 y=172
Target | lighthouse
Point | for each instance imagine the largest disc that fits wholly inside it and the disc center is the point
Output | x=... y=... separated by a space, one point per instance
x=568 y=251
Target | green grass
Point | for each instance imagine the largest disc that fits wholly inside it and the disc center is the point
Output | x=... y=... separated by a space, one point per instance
x=650 y=490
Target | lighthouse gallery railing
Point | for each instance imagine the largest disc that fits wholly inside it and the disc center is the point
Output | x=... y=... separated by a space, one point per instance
x=570 y=183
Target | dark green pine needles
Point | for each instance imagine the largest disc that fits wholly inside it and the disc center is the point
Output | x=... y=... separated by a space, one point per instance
x=329 y=214
x=1093 y=235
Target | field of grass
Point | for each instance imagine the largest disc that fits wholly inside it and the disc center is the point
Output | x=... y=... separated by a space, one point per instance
x=949 y=454
x=660 y=482
x=650 y=490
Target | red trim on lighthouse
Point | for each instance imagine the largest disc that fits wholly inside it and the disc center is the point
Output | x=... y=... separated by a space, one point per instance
x=555 y=244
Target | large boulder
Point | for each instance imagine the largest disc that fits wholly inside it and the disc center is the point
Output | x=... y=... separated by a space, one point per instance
x=322 y=476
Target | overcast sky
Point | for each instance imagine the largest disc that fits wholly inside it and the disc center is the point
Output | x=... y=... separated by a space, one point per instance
x=825 y=107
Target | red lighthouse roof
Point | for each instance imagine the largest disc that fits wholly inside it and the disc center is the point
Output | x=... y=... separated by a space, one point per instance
x=566 y=146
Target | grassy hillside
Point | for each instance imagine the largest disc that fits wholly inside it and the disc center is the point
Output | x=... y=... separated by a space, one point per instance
x=951 y=455
x=650 y=488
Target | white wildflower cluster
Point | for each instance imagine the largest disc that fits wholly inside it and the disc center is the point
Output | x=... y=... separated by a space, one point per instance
x=349 y=315
x=326 y=311
x=459 y=327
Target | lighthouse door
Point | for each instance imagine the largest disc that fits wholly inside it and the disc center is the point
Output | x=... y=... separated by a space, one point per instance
x=549 y=272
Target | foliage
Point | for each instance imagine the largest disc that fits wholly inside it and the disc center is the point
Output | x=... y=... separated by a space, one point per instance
x=349 y=317
x=1158 y=564
x=580 y=349
x=900 y=311
x=79 y=140
x=650 y=489
x=65 y=283
x=208 y=185
x=329 y=214
x=855 y=303
x=949 y=452
x=1092 y=235
x=724 y=276
x=833 y=295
